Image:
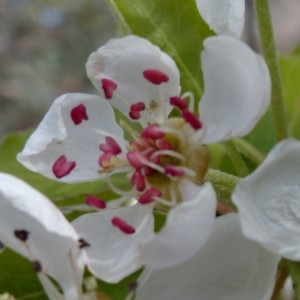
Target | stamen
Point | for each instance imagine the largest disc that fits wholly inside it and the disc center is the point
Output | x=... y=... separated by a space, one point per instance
x=105 y=160
x=192 y=119
x=149 y=196
x=169 y=153
x=114 y=188
x=37 y=266
x=173 y=171
x=153 y=132
x=110 y=145
x=83 y=243
x=138 y=180
x=62 y=167
x=122 y=225
x=155 y=76
x=136 y=109
x=178 y=102
x=136 y=159
x=21 y=234
x=190 y=95
x=78 y=114
x=95 y=202
x=108 y=87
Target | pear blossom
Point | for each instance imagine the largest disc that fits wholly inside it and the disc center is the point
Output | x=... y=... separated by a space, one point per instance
x=223 y=16
x=228 y=266
x=164 y=159
x=32 y=226
x=268 y=201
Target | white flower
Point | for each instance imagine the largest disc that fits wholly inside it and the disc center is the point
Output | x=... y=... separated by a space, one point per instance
x=228 y=266
x=268 y=201
x=32 y=226
x=223 y=16
x=165 y=162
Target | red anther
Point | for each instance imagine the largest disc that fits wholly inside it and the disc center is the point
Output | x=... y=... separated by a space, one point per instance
x=192 y=119
x=136 y=159
x=153 y=158
x=173 y=171
x=155 y=76
x=62 y=167
x=110 y=146
x=78 y=114
x=95 y=202
x=122 y=225
x=149 y=171
x=105 y=158
x=153 y=132
x=138 y=180
x=162 y=144
x=108 y=87
x=135 y=110
x=149 y=195
x=178 y=102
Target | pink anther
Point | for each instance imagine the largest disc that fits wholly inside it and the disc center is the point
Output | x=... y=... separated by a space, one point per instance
x=153 y=132
x=155 y=76
x=95 y=202
x=78 y=114
x=62 y=167
x=149 y=196
x=178 y=102
x=108 y=87
x=122 y=225
x=111 y=146
x=173 y=171
x=192 y=119
x=136 y=109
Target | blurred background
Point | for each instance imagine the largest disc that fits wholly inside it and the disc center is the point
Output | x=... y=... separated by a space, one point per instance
x=44 y=46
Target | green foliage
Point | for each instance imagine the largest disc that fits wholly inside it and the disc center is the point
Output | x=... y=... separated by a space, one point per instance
x=18 y=278
x=290 y=73
x=175 y=26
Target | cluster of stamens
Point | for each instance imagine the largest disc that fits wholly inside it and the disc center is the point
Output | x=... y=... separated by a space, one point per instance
x=153 y=160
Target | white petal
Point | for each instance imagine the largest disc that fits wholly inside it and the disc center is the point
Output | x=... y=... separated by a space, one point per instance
x=58 y=136
x=269 y=201
x=51 y=240
x=112 y=253
x=228 y=267
x=123 y=61
x=188 y=227
x=223 y=16
x=237 y=88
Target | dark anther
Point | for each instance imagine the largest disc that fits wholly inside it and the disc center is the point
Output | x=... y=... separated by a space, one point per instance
x=83 y=243
x=132 y=286
x=22 y=234
x=37 y=267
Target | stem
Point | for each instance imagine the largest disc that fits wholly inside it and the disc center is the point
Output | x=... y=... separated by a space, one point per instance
x=294 y=269
x=236 y=159
x=249 y=151
x=283 y=274
x=269 y=51
x=223 y=183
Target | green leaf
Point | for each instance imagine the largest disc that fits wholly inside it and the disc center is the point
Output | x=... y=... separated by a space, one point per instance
x=18 y=278
x=290 y=73
x=70 y=193
x=175 y=26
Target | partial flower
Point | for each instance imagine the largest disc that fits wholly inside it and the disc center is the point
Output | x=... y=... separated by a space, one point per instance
x=229 y=266
x=33 y=227
x=164 y=159
x=268 y=201
x=223 y=16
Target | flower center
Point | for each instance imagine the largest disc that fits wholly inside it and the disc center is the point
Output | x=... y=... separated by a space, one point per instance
x=156 y=159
